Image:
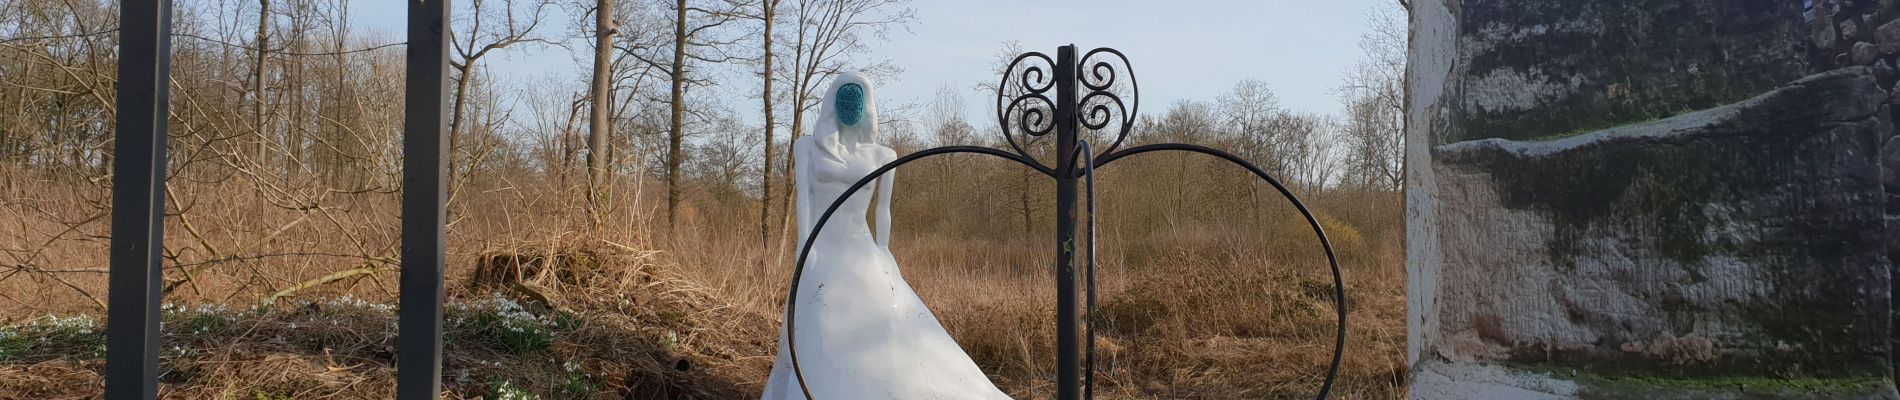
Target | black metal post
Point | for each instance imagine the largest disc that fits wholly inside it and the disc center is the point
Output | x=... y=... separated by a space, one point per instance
x=138 y=200
x=424 y=203
x=1068 y=331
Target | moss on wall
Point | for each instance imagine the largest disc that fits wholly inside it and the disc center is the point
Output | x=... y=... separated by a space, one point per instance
x=1541 y=69
x=1769 y=209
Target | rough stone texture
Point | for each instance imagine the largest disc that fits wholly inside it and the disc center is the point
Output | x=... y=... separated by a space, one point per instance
x=1889 y=37
x=1863 y=53
x=1614 y=62
x=1651 y=199
x=1718 y=235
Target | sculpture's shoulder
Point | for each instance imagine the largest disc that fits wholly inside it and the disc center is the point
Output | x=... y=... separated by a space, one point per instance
x=886 y=153
x=799 y=145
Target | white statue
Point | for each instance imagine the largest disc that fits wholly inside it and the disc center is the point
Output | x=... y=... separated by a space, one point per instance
x=862 y=331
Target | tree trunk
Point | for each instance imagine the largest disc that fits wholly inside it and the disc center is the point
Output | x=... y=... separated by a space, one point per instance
x=570 y=143
x=295 y=134
x=800 y=73
x=765 y=188
x=455 y=114
x=332 y=166
x=679 y=107
x=597 y=128
x=258 y=116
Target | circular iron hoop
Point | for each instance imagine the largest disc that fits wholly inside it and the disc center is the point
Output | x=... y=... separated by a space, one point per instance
x=1332 y=259
x=1339 y=282
x=798 y=271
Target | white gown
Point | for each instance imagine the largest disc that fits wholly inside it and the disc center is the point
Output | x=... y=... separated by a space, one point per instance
x=862 y=331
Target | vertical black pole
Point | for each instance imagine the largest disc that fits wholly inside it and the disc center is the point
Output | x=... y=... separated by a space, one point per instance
x=1068 y=354
x=138 y=200
x=424 y=209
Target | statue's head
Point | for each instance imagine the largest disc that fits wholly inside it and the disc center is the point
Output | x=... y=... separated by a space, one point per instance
x=849 y=102
x=852 y=104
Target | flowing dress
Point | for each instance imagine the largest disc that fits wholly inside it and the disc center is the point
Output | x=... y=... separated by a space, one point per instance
x=862 y=331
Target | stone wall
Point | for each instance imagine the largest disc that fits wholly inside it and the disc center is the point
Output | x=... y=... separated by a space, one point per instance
x=1650 y=198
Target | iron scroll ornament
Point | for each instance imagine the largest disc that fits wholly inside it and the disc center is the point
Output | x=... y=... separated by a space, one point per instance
x=1023 y=98
x=1035 y=122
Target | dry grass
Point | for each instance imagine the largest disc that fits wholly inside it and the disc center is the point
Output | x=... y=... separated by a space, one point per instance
x=1196 y=312
x=652 y=336
x=1225 y=309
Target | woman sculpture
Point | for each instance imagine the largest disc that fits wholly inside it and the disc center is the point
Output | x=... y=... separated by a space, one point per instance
x=862 y=331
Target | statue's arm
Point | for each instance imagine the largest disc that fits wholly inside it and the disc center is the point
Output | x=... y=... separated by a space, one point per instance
x=801 y=198
x=885 y=156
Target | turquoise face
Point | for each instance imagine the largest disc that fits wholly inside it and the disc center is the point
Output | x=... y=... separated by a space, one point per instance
x=850 y=104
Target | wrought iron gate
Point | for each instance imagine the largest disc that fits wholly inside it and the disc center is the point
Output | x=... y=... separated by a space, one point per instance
x=1086 y=97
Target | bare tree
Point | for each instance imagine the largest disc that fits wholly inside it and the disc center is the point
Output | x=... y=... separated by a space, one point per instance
x=1374 y=97
x=1250 y=109
x=599 y=97
x=333 y=112
x=260 y=102
x=303 y=18
x=688 y=39
x=476 y=36
x=767 y=15
x=678 y=130
x=1374 y=154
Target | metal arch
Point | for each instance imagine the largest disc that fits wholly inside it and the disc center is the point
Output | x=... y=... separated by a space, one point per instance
x=798 y=271
x=1086 y=107
x=1339 y=282
x=1332 y=259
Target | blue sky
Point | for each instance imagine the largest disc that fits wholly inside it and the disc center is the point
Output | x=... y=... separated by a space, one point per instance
x=1180 y=49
